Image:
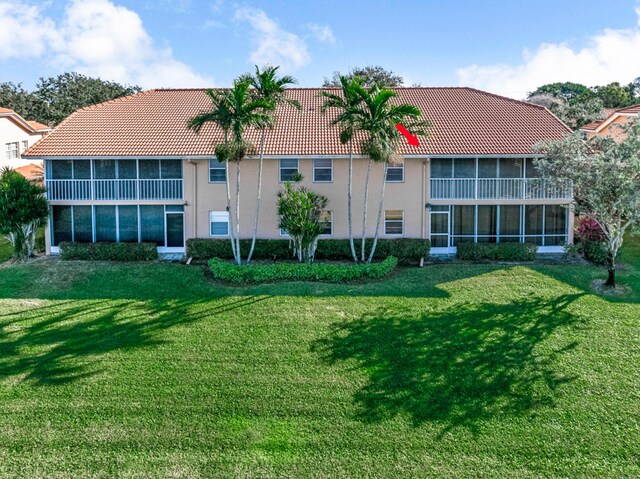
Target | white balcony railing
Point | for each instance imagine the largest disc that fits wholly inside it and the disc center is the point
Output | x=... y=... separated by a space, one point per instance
x=499 y=189
x=65 y=190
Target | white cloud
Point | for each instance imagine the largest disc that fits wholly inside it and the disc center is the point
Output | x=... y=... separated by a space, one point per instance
x=322 y=33
x=99 y=38
x=611 y=55
x=273 y=45
x=24 y=32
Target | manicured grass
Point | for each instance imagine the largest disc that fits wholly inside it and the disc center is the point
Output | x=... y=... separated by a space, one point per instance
x=464 y=371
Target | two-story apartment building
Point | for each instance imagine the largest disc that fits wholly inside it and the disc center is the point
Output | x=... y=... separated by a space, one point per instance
x=16 y=136
x=131 y=170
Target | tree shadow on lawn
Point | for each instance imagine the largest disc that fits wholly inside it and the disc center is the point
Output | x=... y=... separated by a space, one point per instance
x=64 y=342
x=458 y=366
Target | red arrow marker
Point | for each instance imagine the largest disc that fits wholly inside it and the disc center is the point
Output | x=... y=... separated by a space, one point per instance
x=411 y=139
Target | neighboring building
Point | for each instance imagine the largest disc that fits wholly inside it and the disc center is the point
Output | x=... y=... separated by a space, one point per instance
x=16 y=135
x=131 y=170
x=613 y=122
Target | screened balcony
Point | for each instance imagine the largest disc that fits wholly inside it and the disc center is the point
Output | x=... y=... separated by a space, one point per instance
x=77 y=180
x=492 y=179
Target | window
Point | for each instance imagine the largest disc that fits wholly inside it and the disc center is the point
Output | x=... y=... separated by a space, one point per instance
x=487 y=223
x=82 y=224
x=395 y=173
x=555 y=225
x=441 y=168
x=463 y=223
x=171 y=169
x=152 y=224
x=219 y=223
x=509 y=224
x=511 y=167
x=62 y=224
x=217 y=171
x=105 y=223
x=12 y=151
x=128 y=223
x=24 y=145
x=487 y=168
x=393 y=222
x=464 y=168
x=327 y=218
x=322 y=170
x=104 y=169
x=288 y=168
x=149 y=169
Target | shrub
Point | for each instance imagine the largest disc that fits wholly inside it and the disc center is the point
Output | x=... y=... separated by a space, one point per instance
x=594 y=251
x=109 y=251
x=497 y=251
x=589 y=230
x=335 y=273
x=407 y=250
x=591 y=240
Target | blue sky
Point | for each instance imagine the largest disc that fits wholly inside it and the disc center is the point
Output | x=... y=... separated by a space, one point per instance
x=507 y=47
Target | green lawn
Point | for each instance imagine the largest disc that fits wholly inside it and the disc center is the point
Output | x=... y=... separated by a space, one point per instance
x=471 y=371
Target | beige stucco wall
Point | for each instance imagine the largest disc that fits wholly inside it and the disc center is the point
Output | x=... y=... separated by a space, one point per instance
x=203 y=197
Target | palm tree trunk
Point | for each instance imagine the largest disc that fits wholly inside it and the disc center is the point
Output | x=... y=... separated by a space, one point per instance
x=238 y=253
x=255 y=226
x=380 y=205
x=349 y=213
x=231 y=237
x=364 y=211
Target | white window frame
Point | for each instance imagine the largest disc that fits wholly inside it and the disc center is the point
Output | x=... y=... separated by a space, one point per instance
x=330 y=213
x=220 y=165
x=12 y=150
x=287 y=168
x=24 y=146
x=330 y=168
x=219 y=215
x=395 y=221
x=394 y=167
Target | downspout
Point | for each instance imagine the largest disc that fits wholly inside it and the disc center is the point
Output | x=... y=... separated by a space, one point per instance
x=195 y=197
x=423 y=220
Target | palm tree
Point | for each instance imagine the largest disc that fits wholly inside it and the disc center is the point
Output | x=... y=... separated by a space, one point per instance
x=234 y=110
x=267 y=86
x=377 y=117
x=346 y=103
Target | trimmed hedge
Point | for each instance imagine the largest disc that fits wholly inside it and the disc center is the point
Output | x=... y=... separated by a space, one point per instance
x=109 y=251
x=497 y=251
x=334 y=273
x=406 y=250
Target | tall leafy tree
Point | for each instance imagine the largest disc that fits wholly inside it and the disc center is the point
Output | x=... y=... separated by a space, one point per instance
x=269 y=87
x=567 y=91
x=23 y=209
x=235 y=110
x=346 y=103
x=606 y=182
x=370 y=75
x=57 y=97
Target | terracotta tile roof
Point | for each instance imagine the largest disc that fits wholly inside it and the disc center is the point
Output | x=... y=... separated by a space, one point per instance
x=38 y=126
x=6 y=110
x=31 y=171
x=154 y=123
